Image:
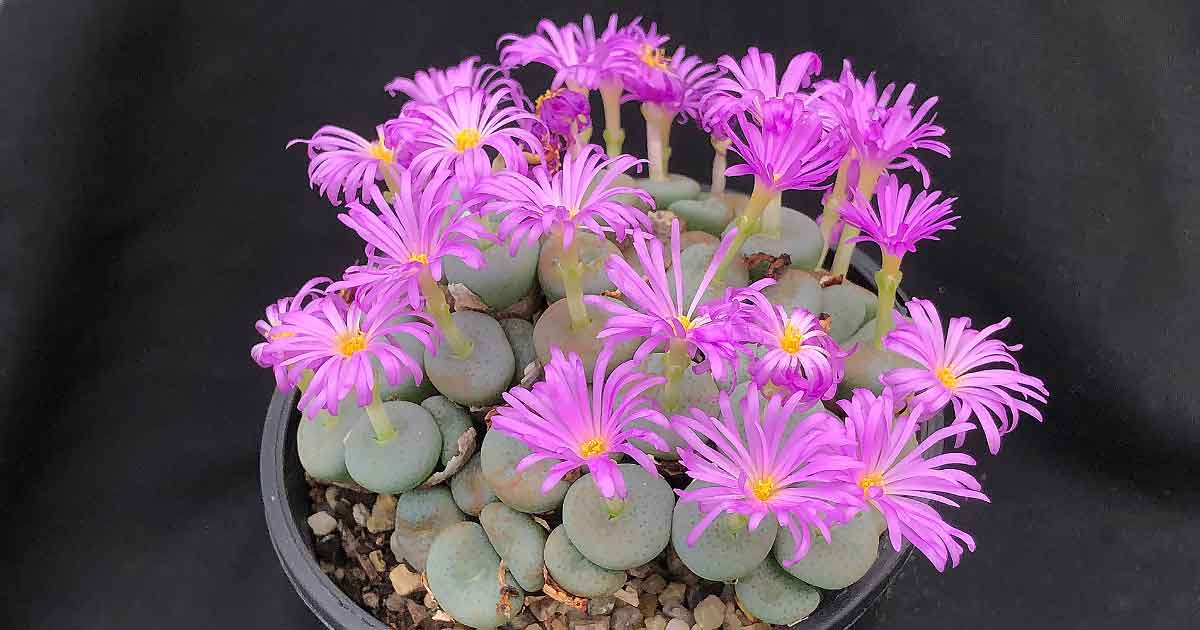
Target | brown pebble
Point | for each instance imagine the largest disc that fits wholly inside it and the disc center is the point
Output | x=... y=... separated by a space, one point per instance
x=361 y=514
x=403 y=581
x=370 y=600
x=395 y=602
x=710 y=613
x=649 y=605
x=383 y=514
x=376 y=558
x=628 y=595
x=590 y=623
x=626 y=618
x=418 y=612
x=654 y=584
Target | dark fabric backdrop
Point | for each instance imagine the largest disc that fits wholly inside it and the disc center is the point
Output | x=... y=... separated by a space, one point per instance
x=148 y=211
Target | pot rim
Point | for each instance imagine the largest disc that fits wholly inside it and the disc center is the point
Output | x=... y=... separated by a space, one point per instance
x=293 y=544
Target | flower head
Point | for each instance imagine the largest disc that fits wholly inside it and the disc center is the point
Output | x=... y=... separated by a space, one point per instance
x=461 y=126
x=899 y=224
x=432 y=85
x=262 y=353
x=338 y=342
x=677 y=83
x=421 y=225
x=574 y=197
x=789 y=149
x=800 y=356
x=563 y=111
x=659 y=314
x=965 y=368
x=343 y=163
x=898 y=484
x=758 y=465
x=884 y=132
x=560 y=419
x=577 y=55
x=753 y=80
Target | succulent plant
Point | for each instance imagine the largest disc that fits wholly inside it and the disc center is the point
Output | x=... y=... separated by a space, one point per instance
x=727 y=549
x=420 y=515
x=796 y=235
x=504 y=280
x=521 y=491
x=576 y=573
x=403 y=460
x=675 y=188
x=407 y=389
x=471 y=491
x=320 y=442
x=554 y=329
x=695 y=260
x=479 y=378
x=849 y=554
x=795 y=288
x=772 y=595
x=519 y=541
x=463 y=572
x=849 y=306
x=624 y=535
x=592 y=251
x=520 y=338
x=707 y=214
x=452 y=421
x=695 y=390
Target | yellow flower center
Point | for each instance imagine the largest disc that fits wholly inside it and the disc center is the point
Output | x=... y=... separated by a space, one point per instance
x=791 y=340
x=592 y=447
x=686 y=321
x=348 y=343
x=946 y=377
x=762 y=489
x=872 y=480
x=466 y=139
x=654 y=57
x=380 y=152
x=419 y=258
x=537 y=105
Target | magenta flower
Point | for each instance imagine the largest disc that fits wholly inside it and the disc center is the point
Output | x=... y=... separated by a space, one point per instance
x=432 y=85
x=789 y=150
x=564 y=112
x=560 y=419
x=955 y=369
x=884 y=132
x=574 y=197
x=800 y=355
x=759 y=468
x=343 y=163
x=659 y=315
x=898 y=225
x=305 y=299
x=338 y=341
x=677 y=83
x=899 y=484
x=461 y=127
x=754 y=79
x=423 y=224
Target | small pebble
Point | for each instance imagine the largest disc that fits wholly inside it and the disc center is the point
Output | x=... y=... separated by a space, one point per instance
x=590 y=623
x=322 y=523
x=370 y=600
x=731 y=621
x=654 y=584
x=678 y=624
x=395 y=602
x=642 y=571
x=361 y=514
x=376 y=558
x=710 y=613
x=383 y=514
x=625 y=618
x=430 y=601
x=331 y=497
x=657 y=622
x=680 y=612
x=601 y=605
x=673 y=594
x=418 y=612
x=404 y=581
x=628 y=595
x=556 y=623
x=442 y=615
x=648 y=604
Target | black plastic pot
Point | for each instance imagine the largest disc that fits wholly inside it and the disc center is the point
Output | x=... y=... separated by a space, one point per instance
x=285 y=497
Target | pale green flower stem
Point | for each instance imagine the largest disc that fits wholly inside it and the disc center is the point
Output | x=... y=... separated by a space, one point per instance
x=868 y=175
x=720 y=163
x=380 y=422
x=888 y=281
x=747 y=224
x=614 y=135
x=439 y=310
x=831 y=211
x=658 y=136
x=571 y=269
x=675 y=363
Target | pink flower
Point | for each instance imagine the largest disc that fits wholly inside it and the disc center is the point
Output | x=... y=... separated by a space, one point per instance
x=560 y=419
x=897 y=226
x=758 y=466
x=884 y=132
x=576 y=54
x=676 y=83
x=563 y=112
x=459 y=129
x=423 y=224
x=338 y=342
x=899 y=484
x=800 y=356
x=343 y=162
x=574 y=197
x=788 y=150
x=432 y=85
x=306 y=298
x=754 y=79
x=955 y=369
x=659 y=315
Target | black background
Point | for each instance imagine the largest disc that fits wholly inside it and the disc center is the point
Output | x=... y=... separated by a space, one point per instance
x=148 y=212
